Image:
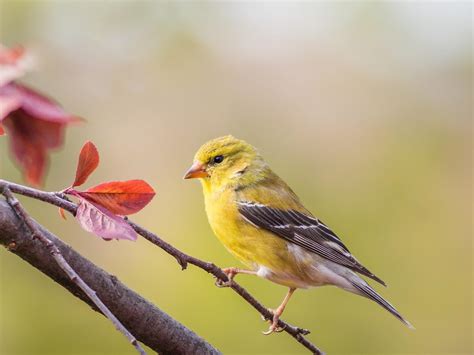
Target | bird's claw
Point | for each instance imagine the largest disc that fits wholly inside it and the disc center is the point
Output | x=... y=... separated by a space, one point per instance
x=274 y=328
x=230 y=273
x=221 y=284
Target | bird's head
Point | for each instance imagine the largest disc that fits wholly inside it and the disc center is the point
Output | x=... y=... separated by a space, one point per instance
x=226 y=161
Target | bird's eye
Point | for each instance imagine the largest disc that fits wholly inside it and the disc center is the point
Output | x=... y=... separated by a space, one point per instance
x=218 y=159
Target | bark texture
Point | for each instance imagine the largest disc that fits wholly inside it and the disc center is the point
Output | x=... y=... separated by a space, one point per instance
x=145 y=321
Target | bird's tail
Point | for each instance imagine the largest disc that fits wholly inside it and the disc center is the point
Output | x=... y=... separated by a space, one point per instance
x=365 y=290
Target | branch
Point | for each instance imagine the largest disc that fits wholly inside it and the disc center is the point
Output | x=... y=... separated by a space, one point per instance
x=63 y=264
x=149 y=324
x=184 y=259
x=58 y=199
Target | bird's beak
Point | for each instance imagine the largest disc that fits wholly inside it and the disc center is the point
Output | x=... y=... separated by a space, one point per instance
x=197 y=170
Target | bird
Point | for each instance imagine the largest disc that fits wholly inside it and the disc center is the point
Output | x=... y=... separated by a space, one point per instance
x=262 y=222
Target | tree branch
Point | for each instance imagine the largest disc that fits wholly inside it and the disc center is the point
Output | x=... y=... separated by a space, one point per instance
x=58 y=199
x=64 y=265
x=148 y=323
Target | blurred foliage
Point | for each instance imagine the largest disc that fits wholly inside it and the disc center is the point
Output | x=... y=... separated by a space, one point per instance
x=363 y=107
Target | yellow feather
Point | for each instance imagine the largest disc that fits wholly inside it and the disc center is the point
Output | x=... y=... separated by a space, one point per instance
x=244 y=176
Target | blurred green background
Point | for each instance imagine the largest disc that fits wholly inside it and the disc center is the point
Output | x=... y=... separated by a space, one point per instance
x=364 y=108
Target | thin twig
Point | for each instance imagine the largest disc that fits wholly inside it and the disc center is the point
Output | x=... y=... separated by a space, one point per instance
x=64 y=265
x=184 y=259
x=57 y=199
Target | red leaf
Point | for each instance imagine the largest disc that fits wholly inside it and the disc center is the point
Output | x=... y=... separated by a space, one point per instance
x=2 y=132
x=121 y=197
x=35 y=125
x=30 y=141
x=8 y=104
x=103 y=223
x=36 y=104
x=88 y=162
x=62 y=213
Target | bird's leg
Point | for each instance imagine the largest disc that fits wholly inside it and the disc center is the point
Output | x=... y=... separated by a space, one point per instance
x=231 y=272
x=278 y=312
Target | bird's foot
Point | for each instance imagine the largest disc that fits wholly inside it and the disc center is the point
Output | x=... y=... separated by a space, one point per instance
x=221 y=284
x=230 y=273
x=274 y=328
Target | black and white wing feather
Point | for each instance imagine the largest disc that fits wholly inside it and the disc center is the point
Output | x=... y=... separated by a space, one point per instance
x=304 y=231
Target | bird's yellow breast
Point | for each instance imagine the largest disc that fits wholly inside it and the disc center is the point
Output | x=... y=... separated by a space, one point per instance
x=258 y=249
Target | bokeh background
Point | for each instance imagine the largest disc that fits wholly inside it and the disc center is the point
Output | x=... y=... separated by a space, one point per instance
x=364 y=108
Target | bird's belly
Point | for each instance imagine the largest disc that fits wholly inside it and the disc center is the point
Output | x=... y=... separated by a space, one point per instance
x=301 y=269
x=272 y=257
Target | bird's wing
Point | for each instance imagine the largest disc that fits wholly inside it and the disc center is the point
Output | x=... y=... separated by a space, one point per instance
x=303 y=230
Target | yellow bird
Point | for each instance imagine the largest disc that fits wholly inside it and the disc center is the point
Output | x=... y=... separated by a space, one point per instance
x=262 y=222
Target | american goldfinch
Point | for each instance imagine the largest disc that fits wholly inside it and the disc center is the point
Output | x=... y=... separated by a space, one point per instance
x=262 y=222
